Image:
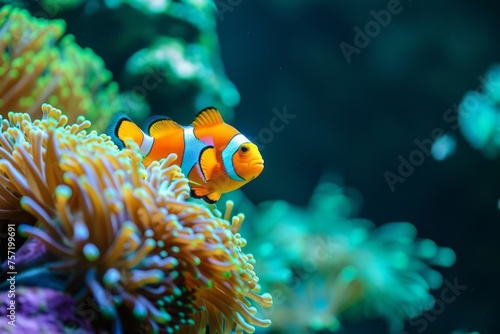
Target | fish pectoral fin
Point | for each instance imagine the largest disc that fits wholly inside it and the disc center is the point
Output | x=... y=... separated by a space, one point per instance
x=199 y=191
x=212 y=198
x=207 y=117
x=161 y=125
x=205 y=194
x=208 y=162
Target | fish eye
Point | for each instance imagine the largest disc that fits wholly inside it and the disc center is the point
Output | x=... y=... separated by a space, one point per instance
x=244 y=149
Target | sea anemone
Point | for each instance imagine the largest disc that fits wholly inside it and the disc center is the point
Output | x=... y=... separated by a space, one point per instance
x=367 y=272
x=219 y=302
x=479 y=114
x=124 y=234
x=280 y=231
x=37 y=66
x=343 y=267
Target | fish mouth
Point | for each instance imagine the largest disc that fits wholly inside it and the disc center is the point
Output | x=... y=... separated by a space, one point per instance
x=256 y=167
x=257 y=163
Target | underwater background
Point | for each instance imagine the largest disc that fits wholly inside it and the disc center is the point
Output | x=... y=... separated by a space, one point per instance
x=376 y=119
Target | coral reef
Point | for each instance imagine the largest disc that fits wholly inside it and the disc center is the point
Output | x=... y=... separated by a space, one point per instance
x=173 y=59
x=38 y=64
x=186 y=66
x=192 y=75
x=123 y=234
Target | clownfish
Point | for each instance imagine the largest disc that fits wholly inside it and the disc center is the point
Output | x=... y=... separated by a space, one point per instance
x=215 y=157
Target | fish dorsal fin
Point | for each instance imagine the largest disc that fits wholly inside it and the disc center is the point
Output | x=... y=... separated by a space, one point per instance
x=207 y=117
x=208 y=161
x=161 y=125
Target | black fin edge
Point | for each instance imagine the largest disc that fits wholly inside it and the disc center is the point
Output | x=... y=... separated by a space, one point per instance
x=208 y=200
x=193 y=194
x=113 y=125
x=204 y=110
x=205 y=198
x=153 y=119
x=199 y=161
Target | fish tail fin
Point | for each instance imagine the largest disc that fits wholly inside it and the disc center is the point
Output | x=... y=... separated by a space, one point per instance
x=121 y=129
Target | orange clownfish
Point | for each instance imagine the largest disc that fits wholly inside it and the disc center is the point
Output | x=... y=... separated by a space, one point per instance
x=215 y=157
